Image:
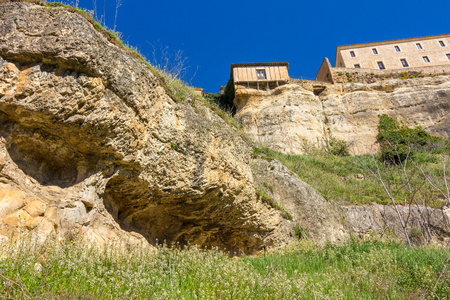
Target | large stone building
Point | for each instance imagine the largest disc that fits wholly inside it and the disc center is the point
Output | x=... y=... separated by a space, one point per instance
x=428 y=55
x=396 y=54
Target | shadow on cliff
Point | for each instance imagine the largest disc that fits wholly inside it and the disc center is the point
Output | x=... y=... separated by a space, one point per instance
x=51 y=152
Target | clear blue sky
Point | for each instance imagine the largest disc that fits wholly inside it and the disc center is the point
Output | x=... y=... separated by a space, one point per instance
x=213 y=34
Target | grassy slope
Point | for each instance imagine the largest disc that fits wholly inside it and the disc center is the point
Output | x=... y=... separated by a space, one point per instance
x=369 y=270
x=335 y=177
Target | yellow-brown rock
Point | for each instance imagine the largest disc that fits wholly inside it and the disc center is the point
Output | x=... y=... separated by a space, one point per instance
x=87 y=129
x=291 y=116
x=36 y=208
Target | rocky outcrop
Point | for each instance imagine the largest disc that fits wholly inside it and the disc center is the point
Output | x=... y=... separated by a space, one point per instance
x=312 y=214
x=91 y=142
x=368 y=220
x=286 y=118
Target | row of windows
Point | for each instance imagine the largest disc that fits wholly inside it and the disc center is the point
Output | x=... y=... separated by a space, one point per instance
x=403 y=61
x=397 y=48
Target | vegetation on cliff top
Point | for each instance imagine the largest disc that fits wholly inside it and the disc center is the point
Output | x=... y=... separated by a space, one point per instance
x=367 y=270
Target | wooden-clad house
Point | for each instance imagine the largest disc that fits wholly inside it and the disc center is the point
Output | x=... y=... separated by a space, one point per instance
x=260 y=75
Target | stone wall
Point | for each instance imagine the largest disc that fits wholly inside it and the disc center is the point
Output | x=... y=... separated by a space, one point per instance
x=343 y=75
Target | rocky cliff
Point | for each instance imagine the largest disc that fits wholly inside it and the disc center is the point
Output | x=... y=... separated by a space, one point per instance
x=286 y=118
x=92 y=143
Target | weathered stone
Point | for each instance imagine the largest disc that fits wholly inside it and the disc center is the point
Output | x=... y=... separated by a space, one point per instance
x=10 y=200
x=36 y=208
x=16 y=219
x=289 y=117
x=359 y=176
x=321 y=220
x=2 y=162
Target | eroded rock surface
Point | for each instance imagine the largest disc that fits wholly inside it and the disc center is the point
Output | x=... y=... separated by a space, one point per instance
x=367 y=220
x=312 y=214
x=287 y=117
x=91 y=141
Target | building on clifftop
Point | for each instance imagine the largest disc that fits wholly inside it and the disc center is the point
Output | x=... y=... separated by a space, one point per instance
x=260 y=75
x=421 y=53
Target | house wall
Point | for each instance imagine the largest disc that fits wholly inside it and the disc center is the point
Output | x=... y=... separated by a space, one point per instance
x=325 y=72
x=391 y=58
x=248 y=73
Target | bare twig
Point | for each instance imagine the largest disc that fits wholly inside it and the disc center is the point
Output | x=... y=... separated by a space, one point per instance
x=118 y=4
x=94 y=4
x=17 y=284
x=173 y=65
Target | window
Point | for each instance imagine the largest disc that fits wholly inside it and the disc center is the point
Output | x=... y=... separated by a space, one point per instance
x=448 y=56
x=404 y=63
x=261 y=73
x=352 y=53
x=419 y=46
x=381 y=65
x=397 y=49
x=442 y=43
x=375 y=51
x=426 y=59
x=357 y=66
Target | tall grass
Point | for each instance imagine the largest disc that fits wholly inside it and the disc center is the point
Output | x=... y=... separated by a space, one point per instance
x=73 y=270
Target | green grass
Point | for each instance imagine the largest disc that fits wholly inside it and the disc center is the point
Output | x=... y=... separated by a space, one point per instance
x=335 y=177
x=368 y=270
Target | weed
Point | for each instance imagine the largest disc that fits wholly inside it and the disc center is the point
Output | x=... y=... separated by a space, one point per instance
x=301 y=233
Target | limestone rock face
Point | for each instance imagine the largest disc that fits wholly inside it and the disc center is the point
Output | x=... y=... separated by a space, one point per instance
x=91 y=142
x=316 y=217
x=287 y=117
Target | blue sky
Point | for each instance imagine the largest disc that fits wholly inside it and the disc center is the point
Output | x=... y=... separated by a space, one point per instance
x=213 y=34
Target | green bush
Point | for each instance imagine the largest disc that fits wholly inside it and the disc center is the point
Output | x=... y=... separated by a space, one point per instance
x=338 y=147
x=397 y=142
x=227 y=100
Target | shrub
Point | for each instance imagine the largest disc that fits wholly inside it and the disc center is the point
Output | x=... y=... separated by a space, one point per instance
x=397 y=142
x=228 y=96
x=337 y=147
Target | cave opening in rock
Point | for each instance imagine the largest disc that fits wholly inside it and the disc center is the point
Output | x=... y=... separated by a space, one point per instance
x=46 y=157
